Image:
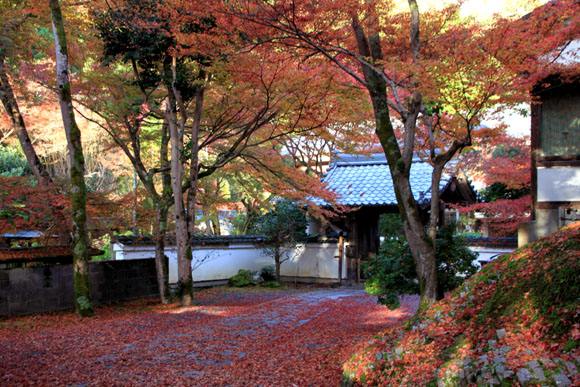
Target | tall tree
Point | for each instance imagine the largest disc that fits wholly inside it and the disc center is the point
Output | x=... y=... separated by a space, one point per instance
x=82 y=289
x=16 y=30
x=434 y=73
x=123 y=115
x=225 y=105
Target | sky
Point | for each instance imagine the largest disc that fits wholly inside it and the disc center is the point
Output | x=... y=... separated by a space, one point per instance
x=486 y=8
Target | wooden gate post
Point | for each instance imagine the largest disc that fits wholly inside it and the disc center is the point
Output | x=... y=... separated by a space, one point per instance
x=340 y=255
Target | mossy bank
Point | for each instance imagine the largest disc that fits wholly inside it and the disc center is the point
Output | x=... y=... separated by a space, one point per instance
x=516 y=322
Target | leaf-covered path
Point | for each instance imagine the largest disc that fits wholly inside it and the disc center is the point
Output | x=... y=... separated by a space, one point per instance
x=231 y=338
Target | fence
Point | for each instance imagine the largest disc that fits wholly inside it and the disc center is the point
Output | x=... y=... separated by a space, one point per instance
x=46 y=288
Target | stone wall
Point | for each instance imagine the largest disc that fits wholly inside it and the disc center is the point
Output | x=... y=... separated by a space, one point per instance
x=47 y=288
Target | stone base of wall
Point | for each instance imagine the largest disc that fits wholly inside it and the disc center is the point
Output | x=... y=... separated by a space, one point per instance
x=48 y=288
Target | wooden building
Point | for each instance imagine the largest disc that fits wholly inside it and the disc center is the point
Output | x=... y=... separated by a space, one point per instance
x=365 y=191
x=555 y=184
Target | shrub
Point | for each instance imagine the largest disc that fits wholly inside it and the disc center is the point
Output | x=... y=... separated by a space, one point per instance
x=268 y=273
x=392 y=272
x=284 y=228
x=12 y=162
x=243 y=278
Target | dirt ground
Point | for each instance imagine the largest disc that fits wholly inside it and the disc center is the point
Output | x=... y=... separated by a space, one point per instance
x=289 y=337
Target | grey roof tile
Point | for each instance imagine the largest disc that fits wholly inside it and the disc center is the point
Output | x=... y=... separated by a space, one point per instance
x=360 y=180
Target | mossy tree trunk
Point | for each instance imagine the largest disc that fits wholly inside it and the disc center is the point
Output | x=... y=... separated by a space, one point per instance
x=176 y=120
x=162 y=206
x=421 y=245
x=11 y=106
x=161 y=261
x=82 y=289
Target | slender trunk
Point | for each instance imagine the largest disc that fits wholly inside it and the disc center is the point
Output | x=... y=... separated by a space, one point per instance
x=277 y=258
x=11 y=106
x=194 y=162
x=135 y=202
x=208 y=224
x=162 y=203
x=82 y=290
x=184 y=253
x=216 y=224
x=161 y=261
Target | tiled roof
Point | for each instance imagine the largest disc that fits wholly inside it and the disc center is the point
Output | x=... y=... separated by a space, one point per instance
x=40 y=252
x=23 y=235
x=366 y=181
x=492 y=241
x=197 y=239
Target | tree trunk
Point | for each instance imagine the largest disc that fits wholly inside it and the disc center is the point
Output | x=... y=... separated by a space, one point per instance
x=82 y=289
x=217 y=230
x=277 y=259
x=11 y=106
x=194 y=162
x=184 y=253
x=420 y=244
x=161 y=260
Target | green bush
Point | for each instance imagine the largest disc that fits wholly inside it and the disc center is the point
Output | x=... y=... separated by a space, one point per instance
x=243 y=278
x=13 y=163
x=392 y=272
x=268 y=273
x=271 y=284
x=284 y=228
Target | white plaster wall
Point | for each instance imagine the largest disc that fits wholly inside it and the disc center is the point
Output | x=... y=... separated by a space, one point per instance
x=488 y=253
x=211 y=263
x=315 y=260
x=221 y=262
x=558 y=184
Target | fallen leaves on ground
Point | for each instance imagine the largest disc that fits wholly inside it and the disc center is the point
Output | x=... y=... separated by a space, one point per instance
x=288 y=337
x=516 y=322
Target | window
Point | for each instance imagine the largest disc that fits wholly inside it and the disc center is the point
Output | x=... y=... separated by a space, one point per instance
x=560 y=134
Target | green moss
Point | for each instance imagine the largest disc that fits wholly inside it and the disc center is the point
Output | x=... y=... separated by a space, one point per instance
x=400 y=165
x=570 y=345
x=548 y=291
x=572 y=244
x=449 y=353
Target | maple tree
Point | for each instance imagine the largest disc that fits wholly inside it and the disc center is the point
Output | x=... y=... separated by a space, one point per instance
x=503 y=165
x=221 y=108
x=16 y=30
x=123 y=116
x=80 y=239
x=437 y=74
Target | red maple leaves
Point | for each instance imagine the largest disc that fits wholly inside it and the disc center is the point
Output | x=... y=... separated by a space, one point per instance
x=292 y=337
x=516 y=312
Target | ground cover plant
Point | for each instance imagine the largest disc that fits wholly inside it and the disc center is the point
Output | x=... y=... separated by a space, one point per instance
x=516 y=322
x=231 y=336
